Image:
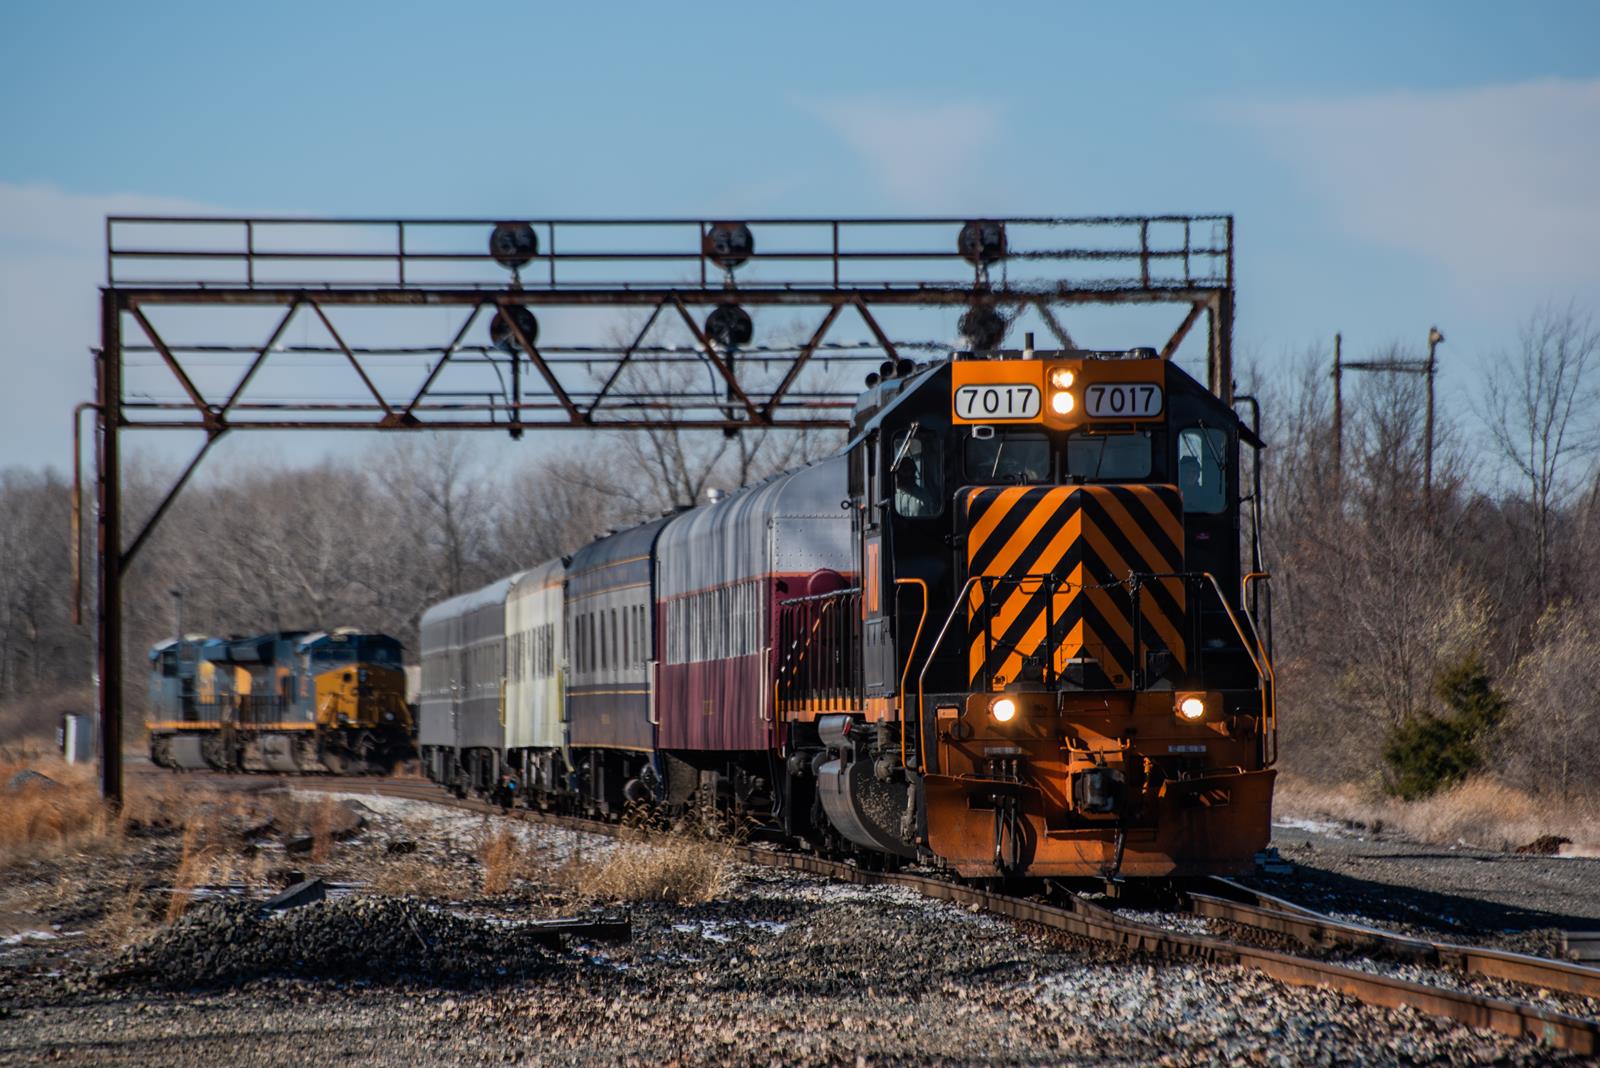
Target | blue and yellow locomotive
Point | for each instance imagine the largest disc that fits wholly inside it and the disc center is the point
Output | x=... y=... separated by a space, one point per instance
x=287 y=701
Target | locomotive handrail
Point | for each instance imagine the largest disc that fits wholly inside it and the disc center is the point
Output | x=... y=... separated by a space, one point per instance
x=799 y=634
x=1253 y=649
x=1258 y=658
x=1263 y=665
x=1264 y=577
x=922 y=716
x=910 y=654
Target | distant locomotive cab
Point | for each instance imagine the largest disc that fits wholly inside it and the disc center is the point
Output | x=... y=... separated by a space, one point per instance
x=353 y=680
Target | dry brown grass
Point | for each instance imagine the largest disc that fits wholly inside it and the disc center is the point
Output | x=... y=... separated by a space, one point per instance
x=40 y=817
x=504 y=860
x=322 y=823
x=420 y=877
x=127 y=919
x=1480 y=812
x=676 y=869
x=197 y=862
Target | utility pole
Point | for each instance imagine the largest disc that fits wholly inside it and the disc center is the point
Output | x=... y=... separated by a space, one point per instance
x=1338 y=409
x=177 y=607
x=1434 y=337
x=1428 y=367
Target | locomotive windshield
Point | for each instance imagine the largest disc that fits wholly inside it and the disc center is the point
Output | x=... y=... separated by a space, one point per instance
x=918 y=475
x=383 y=652
x=1007 y=456
x=1202 y=469
x=1109 y=457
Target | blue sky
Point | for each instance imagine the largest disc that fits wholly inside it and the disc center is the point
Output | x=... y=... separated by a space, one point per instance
x=1390 y=165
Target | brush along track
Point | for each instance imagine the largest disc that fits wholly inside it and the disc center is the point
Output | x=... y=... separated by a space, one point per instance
x=1081 y=919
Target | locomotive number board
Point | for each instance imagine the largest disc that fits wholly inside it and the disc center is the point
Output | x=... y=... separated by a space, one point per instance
x=998 y=403
x=1122 y=400
x=1058 y=392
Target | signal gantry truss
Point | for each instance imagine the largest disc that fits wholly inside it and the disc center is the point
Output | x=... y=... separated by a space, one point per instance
x=217 y=325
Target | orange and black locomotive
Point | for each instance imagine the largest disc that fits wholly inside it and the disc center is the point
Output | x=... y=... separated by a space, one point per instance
x=1047 y=666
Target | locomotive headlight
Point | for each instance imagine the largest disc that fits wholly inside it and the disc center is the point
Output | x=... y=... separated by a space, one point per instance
x=1062 y=378
x=1192 y=708
x=1003 y=709
x=1062 y=403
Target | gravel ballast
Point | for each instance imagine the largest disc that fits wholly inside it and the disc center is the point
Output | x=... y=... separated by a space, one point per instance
x=223 y=943
x=781 y=968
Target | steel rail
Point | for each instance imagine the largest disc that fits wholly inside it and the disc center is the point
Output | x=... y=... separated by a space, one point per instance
x=1320 y=931
x=1082 y=919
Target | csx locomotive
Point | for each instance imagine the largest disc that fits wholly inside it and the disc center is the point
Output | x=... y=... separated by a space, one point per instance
x=1004 y=631
x=287 y=701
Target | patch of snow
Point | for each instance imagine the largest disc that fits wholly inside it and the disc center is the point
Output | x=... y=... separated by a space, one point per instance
x=1323 y=827
x=464 y=829
x=724 y=930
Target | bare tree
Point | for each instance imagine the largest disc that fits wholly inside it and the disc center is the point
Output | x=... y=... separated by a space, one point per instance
x=1557 y=706
x=1371 y=601
x=1540 y=414
x=447 y=496
x=549 y=510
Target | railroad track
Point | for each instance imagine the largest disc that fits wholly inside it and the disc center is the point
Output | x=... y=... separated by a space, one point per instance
x=1233 y=904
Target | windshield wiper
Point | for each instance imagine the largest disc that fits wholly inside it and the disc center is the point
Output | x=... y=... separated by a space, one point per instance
x=905 y=446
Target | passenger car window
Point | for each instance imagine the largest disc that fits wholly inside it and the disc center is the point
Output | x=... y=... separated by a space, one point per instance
x=1007 y=455
x=918 y=474
x=1203 y=470
x=1109 y=457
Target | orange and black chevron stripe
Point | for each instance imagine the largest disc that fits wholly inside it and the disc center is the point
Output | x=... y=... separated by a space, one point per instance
x=1059 y=558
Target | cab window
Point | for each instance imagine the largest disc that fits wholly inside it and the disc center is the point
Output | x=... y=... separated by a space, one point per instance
x=1110 y=457
x=917 y=474
x=1203 y=470
x=1006 y=456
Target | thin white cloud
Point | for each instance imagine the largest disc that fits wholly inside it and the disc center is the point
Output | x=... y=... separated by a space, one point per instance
x=924 y=156
x=52 y=263
x=47 y=217
x=1496 y=184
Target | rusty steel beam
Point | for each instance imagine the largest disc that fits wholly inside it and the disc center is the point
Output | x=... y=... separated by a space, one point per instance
x=878 y=335
x=1054 y=324
x=354 y=363
x=108 y=539
x=260 y=358
x=166 y=502
x=405 y=418
x=710 y=351
x=828 y=423
x=526 y=344
x=200 y=403
x=626 y=356
x=893 y=294
x=800 y=361
x=1182 y=332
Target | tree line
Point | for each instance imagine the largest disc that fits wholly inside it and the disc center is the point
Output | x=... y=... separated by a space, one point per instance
x=1420 y=636
x=1423 y=637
